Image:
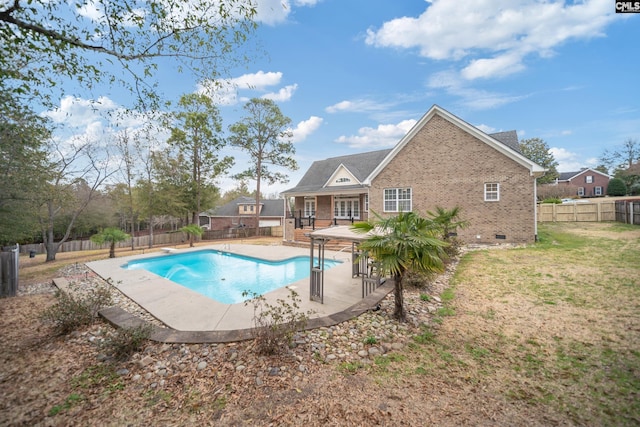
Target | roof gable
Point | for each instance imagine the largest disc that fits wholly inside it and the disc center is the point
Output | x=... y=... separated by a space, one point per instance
x=341 y=177
x=270 y=207
x=534 y=169
x=321 y=171
x=568 y=176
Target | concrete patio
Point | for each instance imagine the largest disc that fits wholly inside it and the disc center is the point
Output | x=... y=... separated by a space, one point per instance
x=192 y=317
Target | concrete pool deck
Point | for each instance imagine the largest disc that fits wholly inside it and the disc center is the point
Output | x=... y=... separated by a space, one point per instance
x=193 y=317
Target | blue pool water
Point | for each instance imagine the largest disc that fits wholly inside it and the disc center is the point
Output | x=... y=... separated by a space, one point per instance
x=224 y=276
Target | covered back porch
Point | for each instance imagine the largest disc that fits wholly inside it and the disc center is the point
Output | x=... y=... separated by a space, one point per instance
x=320 y=211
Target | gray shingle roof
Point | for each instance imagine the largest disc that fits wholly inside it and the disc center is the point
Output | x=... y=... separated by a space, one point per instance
x=566 y=176
x=508 y=138
x=270 y=207
x=360 y=165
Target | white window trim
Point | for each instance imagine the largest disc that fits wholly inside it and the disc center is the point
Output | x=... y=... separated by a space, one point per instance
x=397 y=200
x=350 y=201
x=310 y=203
x=580 y=191
x=598 y=191
x=488 y=192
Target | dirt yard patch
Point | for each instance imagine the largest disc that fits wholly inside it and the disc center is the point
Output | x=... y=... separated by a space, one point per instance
x=543 y=335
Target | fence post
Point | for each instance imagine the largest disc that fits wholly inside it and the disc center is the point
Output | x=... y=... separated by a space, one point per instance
x=625 y=209
x=9 y=263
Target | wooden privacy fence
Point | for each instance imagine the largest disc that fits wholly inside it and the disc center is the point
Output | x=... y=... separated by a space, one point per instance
x=576 y=212
x=166 y=239
x=628 y=211
x=87 y=245
x=9 y=273
x=621 y=211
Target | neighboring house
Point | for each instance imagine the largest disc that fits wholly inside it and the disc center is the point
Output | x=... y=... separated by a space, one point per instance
x=588 y=182
x=241 y=212
x=442 y=161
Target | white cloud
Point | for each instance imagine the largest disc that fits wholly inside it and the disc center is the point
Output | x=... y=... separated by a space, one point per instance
x=306 y=128
x=475 y=99
x=495 y=36
x=569 y=161
x=358 y=106
x=499 y=66
x=485 y=100
x=382 y=136
x=486 y=128
x=283 y=94
x=84 y=121
x=78 y=112
x=272 y=12
x=90 y=10
x=257 y=81
x=306 y=2
x=225 y=92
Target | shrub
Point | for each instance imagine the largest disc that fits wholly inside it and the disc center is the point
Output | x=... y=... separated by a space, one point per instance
x=77 y=307
x=126 y=341
x=449 y=222
x=553 y=191
x=275 y=325
x=554 y=200
x=616 y=187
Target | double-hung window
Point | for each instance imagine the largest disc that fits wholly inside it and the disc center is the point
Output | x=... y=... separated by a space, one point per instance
x=598 y=191
x=491 y=192
x=397 y=199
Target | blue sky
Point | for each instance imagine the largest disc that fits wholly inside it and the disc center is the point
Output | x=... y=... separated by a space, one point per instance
x=355 y=75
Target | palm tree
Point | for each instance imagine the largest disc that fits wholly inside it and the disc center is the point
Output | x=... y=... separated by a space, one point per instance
x=402 y=243
x=111 y=235
x=192 y=230
x=448 y=220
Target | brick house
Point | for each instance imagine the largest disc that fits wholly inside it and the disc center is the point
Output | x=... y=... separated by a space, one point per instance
x=240 y=213
x=588 y=182
x=442 y=161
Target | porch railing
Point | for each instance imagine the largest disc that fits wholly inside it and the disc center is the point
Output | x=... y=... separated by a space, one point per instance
x=310 y=221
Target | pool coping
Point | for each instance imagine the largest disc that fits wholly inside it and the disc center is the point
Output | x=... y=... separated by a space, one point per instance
x=120 y=318
x=191 y=318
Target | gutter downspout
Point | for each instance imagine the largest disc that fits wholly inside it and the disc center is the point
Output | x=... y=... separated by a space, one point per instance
x=535 y=208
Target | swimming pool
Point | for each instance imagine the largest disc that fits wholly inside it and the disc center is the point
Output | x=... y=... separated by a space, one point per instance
x=224 y=276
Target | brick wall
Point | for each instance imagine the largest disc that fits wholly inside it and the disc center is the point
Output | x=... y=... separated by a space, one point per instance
x=323 y=208
x=445 y=166
x=598 y=180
